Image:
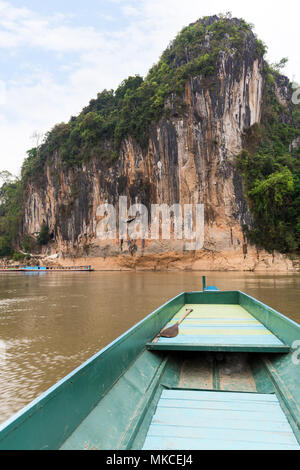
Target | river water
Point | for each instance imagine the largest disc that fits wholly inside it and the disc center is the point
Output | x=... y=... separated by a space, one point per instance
x=51 y=323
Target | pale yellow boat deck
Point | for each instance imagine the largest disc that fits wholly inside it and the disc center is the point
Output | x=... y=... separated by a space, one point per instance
x=219 y=326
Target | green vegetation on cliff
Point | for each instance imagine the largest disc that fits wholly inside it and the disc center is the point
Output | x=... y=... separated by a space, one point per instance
x=270 y=165
x=11 y=195
x=11 y=210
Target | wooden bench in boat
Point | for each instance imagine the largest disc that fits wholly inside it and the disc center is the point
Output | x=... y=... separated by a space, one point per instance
x=219 y=327
x=208 y=420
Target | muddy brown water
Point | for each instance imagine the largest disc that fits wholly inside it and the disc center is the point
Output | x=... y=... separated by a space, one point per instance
x=51 y=323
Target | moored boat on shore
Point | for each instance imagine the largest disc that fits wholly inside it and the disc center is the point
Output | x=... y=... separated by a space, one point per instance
x=44 y=268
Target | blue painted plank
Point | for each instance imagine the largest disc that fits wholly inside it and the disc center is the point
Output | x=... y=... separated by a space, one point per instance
x=224 y=396
x=201 y=322
x=157 y=443
x=200 y=318
x=222 y=340
x=229 y=327
x=235 y=419
x=271 y=407
x=188 y=419
x=246 y=435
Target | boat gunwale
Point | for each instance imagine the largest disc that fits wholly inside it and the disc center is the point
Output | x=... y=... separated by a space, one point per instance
x=19 y=417
x=259 y=302
x=270 y=310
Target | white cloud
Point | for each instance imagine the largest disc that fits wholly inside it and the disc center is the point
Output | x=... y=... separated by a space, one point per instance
x=2 y=93
x=129 y=10
x=102 y=59
x=15 y=139
x=24 y=28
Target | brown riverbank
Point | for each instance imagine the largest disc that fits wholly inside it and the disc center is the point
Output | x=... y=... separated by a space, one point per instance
x=255 y=261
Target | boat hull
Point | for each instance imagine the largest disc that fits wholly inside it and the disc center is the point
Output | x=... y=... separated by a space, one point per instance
x=109 y=402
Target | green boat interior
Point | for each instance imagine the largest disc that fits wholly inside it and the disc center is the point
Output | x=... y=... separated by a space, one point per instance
x=229 y=380
x=236 y=406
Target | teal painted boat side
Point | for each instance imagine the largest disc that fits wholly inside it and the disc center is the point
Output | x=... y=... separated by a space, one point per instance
x=285 y=329
x=67 y=403
x=122 y=409
x=212 y=297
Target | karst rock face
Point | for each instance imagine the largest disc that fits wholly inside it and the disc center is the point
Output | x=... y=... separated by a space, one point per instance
x=190 y=159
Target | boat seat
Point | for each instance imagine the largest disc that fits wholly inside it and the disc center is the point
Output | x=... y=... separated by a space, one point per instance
x=206 y=420
x=219 y=327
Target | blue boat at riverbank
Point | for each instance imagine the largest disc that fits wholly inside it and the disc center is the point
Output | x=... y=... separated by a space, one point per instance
x=6 y=269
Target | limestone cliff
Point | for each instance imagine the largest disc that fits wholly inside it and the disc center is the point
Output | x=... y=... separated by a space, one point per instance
x=190 y=158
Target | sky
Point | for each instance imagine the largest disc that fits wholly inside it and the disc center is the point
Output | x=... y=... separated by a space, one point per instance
x=55 y=56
